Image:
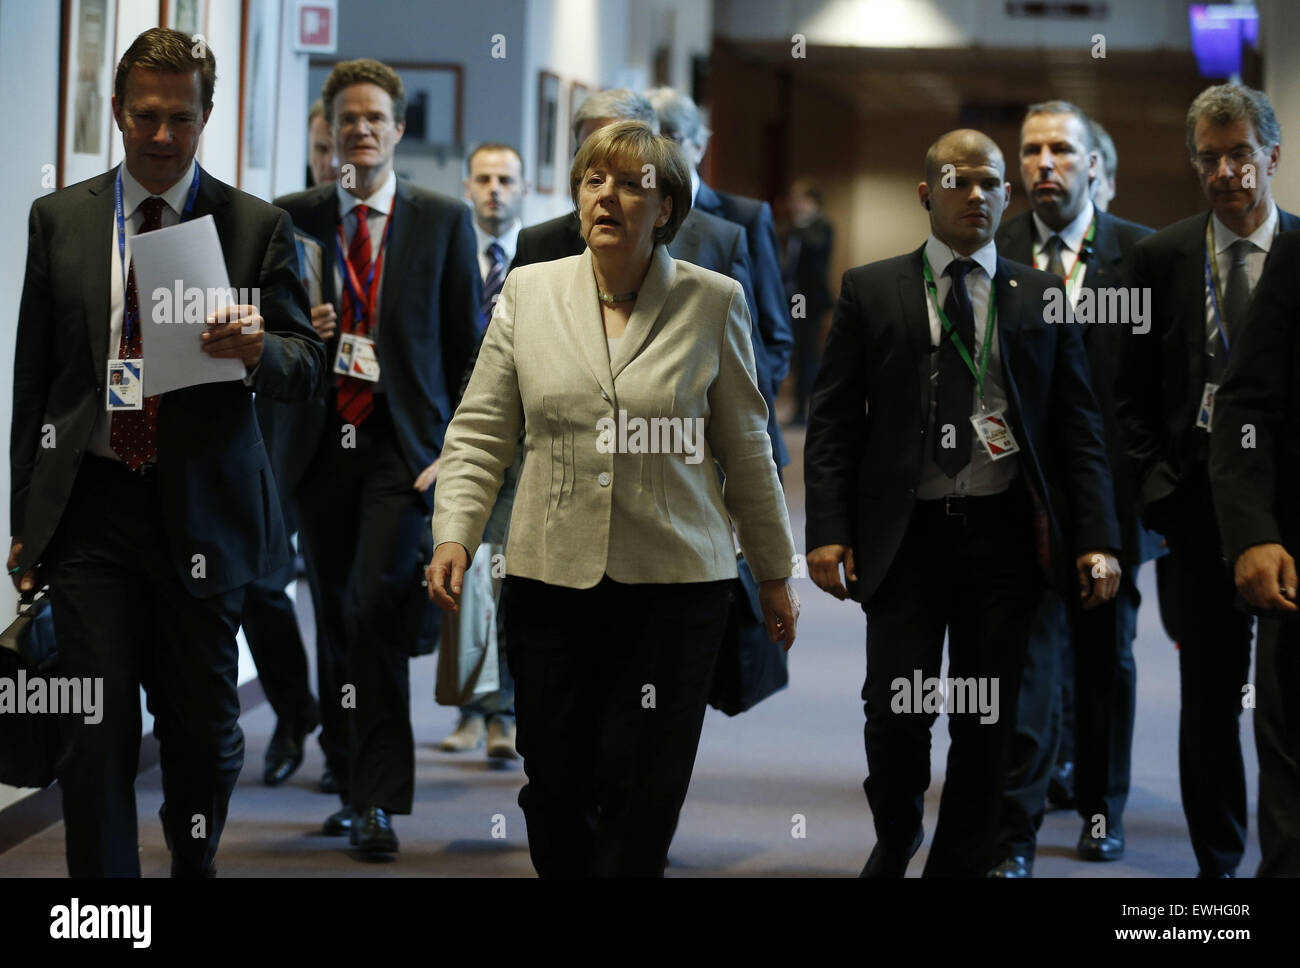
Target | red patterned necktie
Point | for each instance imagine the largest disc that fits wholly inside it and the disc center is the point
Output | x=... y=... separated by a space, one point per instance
x=356 y=398
x=134 y=433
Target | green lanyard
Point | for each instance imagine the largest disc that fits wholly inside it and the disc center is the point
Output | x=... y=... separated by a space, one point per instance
x=989 y=327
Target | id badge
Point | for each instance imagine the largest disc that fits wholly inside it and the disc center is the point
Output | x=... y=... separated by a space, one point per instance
x=1205 y=413
x=125 y=385
x=357 y=358
x=995 y=434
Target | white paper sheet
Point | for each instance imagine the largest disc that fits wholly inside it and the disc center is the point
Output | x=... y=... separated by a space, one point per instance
x=180 y=275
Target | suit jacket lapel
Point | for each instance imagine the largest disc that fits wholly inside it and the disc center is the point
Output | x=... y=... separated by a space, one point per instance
x=650 y=301
x=97 y=284
x=395 y=254
x=707 y=200
x=585 y=324
x=1190 y=286
x=1008 y=308
x=916 y=325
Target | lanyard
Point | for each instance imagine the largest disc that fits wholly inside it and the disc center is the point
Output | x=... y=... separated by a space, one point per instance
x=353 y=283
x=127 y=319
x=1212 y=279
x=1087 y=241
x=990 y=325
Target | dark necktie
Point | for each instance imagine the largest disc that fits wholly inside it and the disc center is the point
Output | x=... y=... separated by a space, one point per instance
x=133 y=434
x=956 y=392
x=1234 y=302
x=492 y=284
x=1054 y=264
x=356 y=398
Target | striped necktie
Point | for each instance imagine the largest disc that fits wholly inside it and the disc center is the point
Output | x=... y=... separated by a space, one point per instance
x=133 y=434
x=492 y=284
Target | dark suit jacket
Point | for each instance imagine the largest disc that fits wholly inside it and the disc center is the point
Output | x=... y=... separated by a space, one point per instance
x=703 y=240
x=769 y=291
x=867 y=429
x=1163 y=371
x=218 y=495
x=1109 y=267
x=1255 y=487
x=428 y=325
x=807 y=266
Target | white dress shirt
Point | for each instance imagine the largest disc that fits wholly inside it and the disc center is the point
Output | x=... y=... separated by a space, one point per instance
x=508 y=240
x=1072 y=237
x=133 y=194
x=983 y=476
x=380 y=205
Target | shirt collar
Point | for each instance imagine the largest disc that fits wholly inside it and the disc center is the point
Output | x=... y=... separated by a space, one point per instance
x=381 y=201
x=133 y=193
x=1262 y=236
x=695 y=186
x=508 y=240
x=1072 y=235
x=940 y=255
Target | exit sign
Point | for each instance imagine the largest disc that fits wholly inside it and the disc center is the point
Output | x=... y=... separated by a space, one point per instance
x=316 y=23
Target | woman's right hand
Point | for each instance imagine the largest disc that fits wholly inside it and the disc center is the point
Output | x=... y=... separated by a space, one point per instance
x=447 y=572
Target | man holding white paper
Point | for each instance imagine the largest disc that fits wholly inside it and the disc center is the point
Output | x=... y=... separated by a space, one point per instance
x=147 y=515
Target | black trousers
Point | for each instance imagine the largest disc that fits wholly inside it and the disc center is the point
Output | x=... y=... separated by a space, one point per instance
x=1095 y=649
x=976 y=578
x=1277 y=738
x=271 y=627
x=1214 y=667
x=362 y=532
x=611 y=685
x=122 y=614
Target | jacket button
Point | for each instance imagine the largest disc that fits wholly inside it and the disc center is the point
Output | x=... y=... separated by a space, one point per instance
x=604 y=479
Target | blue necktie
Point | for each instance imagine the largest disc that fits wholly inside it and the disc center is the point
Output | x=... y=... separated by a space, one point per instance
x=492 y=284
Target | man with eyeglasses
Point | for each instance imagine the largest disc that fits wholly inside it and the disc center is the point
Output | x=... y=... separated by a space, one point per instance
x=401 y=279
x=1201 y=272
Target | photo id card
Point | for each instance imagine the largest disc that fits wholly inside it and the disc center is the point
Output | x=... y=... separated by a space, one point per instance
x=1205 y=413
x=995 y=434
x=357 y=358
x=125 y=385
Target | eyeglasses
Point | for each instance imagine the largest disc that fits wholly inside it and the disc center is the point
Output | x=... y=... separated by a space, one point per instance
x=1207 y=162
x=376 y=122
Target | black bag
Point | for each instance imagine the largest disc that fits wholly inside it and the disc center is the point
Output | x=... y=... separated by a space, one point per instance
x=29 y=742
x=750 y=666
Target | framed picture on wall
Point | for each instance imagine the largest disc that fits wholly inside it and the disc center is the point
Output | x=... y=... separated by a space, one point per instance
x=85 y=102
x=578 y=92
x=187 y=16
x=548 y=129
x=260 y=43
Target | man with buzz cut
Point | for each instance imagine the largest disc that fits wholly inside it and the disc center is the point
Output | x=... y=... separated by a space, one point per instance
x=401 y=283
x=1201 y=273
x=1065 y=233
x=954 y=463
x=148 y=521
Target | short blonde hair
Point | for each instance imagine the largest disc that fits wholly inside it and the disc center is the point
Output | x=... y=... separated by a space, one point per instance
x=636 y=142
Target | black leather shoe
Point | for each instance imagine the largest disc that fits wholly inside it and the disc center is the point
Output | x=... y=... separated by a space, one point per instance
x=328 y=783
x=372 y=832
x=338 y=823
x=1060 y=786
x=889 y=861
x=1016 y=866
x=284 y=752
x=1110 y=847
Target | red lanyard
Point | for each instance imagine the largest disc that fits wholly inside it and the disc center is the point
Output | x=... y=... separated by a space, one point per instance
x=353 y=283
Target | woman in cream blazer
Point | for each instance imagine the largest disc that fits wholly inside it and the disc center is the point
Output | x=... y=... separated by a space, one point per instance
x=630 y=374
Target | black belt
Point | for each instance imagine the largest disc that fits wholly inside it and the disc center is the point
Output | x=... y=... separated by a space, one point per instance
x=962 y=507
x=147 y=473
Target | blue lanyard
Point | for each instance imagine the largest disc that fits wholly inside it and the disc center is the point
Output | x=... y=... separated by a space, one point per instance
x=350 y=281
x=127 y=320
